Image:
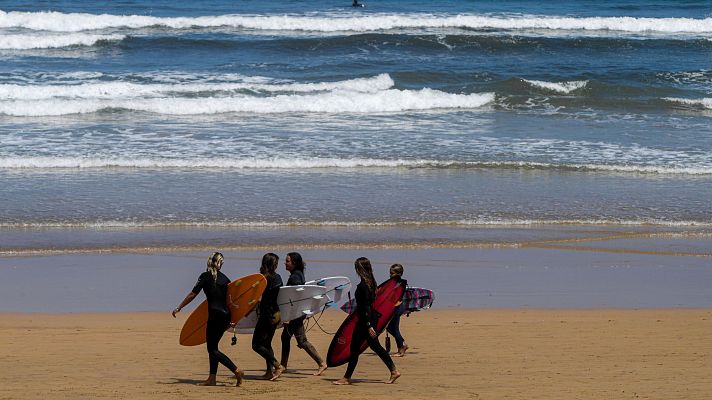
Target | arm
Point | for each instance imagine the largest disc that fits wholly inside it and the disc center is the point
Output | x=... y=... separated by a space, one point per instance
x=184 y=303
x=364 y=302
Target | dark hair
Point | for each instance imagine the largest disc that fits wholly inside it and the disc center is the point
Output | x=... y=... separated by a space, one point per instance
x=297 y=261
x=269 y=264
x=397 y=268
x=365 y=271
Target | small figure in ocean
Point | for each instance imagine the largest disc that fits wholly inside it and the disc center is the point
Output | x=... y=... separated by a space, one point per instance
x=396 y=271
x=214 y=284
x=268 y=317
x=356 y=4
x=365 y=328
x=295 y=266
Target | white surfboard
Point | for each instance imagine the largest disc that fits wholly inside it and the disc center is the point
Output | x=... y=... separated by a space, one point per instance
x=294 y=302
x=337 y=288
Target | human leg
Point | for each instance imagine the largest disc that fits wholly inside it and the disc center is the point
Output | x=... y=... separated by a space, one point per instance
x=375 y=345
x=286 y=343
x=217 y=323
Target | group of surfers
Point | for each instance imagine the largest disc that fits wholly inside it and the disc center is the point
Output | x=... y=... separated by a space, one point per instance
x=215 y=285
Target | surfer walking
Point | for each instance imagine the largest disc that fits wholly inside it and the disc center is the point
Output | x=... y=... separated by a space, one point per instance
x=396 y=271
x=295 y=266
x=214 y=284
x=268 y=317
x=365 y=328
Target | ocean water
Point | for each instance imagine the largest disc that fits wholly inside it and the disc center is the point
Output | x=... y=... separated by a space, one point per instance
x=139 y=121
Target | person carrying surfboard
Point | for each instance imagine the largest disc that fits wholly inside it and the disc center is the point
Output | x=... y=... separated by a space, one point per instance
x=214 y=284
x=268 y=317
x=367 y=320
x=295 y=265
x=396 y=271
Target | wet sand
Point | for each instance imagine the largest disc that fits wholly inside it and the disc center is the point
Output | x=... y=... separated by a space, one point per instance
x=589 y=318
x=617 y=276
x=454 y=354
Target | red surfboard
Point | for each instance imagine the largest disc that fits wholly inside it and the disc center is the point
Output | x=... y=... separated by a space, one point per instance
x=388 y=294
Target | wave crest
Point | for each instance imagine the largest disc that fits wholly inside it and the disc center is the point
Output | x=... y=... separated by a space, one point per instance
x=30 y=42
x=558 y=87
x=340 y=101
x=705 y=103
x=48 y=163
x=76 y=22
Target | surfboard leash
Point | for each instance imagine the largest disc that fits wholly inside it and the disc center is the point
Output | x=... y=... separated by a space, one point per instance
x=316 y=322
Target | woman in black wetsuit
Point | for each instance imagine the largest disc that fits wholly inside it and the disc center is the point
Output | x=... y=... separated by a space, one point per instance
x=365 y=327
x=396 y=271
x=268 y=317
x=214 y=284
x=295 y=265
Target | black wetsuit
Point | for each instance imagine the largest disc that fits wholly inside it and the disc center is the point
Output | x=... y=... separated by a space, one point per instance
x=296 y=328
x=366 y=319
x=265 y=328
x=394 y=325
x=218 y=317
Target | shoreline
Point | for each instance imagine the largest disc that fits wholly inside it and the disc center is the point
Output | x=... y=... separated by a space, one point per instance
x=691 y=240
x=490 y=354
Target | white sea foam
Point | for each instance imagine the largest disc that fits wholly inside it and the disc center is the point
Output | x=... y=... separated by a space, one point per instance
x=483 y=222
x=50 y=163
x=558 y=87
x=704 y=102
x=37 y=41
x=76 y=22
x=339 y=101
x=118 y=90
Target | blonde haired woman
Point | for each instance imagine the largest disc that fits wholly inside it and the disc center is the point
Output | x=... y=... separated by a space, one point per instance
x=214 y=284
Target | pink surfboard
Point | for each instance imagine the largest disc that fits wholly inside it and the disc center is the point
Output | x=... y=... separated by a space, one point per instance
x=388 y=294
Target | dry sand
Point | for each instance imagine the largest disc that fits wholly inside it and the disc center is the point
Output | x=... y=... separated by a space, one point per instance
x=454 y=354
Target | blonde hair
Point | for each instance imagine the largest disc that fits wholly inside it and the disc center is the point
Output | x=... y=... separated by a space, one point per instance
x=215 y=262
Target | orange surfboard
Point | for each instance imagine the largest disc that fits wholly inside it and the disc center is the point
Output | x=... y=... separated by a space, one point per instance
x=243 y=295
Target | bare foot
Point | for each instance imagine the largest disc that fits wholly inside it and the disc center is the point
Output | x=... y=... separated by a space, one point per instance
x=267 y=375
x=394 y=375
x=401 y=351
x=342 y=381
x=278 y=372
x=238 y=375
x=321 y=369
x=209 y=382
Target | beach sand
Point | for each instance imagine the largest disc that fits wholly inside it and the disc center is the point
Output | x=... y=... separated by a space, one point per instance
x=454 y=354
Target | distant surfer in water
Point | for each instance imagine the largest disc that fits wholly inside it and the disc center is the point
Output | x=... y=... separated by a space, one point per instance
x=365 y=327
x=268 y=317
x=295 y=265
x=356 y=4
x=214 y=283
x=396 y=271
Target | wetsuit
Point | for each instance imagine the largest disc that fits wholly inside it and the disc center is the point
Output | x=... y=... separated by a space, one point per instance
x=296 y=328
x=394 y=326
x=265 y=328
x=218 y=317
x=366 y=319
